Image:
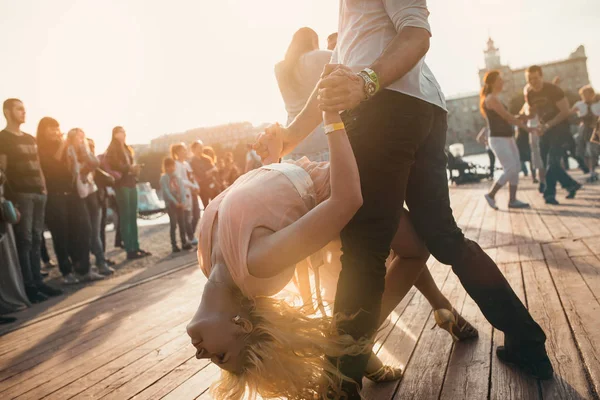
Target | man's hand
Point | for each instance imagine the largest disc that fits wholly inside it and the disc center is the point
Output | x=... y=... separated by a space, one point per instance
x=340 y=89
x=269 y=144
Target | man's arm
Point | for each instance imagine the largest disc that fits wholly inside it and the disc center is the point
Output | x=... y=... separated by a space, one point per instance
x=563 y=106
x=404 y=51
x=402 y=54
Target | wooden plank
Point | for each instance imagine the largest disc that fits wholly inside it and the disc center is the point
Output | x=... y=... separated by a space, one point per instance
x=520 y=229
x=474 y=229
x=554 y=224
x=117 y=372
x=59 y=331
x=504 y=234
x=123 y=330
x=172 y=380
x=576 y=248
x=153 y=373
x=582 y=309
x=593 y=243
x=197 y=387
x=589 y=268
x=487 y=237
x=469 y=367
x=570 y=381
x=122 y=342
x=506 y=382
x=425 y=373
x=400 y=344
x=538 y=230
x=42 y=356
x=530 y=252
x=507 y=254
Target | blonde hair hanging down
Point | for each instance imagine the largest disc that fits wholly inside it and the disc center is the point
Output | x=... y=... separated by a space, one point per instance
x=286 y=354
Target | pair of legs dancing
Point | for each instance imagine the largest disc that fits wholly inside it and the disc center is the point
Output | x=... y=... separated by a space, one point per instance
x=505 y=148
x=399 y=142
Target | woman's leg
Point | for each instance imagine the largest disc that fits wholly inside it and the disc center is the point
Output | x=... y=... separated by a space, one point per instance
x=133 y=210
x=95 y=216
x=121 y=195
x=409 y=268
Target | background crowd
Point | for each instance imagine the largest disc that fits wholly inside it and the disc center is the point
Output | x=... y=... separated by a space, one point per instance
x=57 y=181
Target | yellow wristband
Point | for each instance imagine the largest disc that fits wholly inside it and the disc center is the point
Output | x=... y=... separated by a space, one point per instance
x=334 y=127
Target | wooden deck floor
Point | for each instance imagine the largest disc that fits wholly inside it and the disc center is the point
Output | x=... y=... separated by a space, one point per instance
x=132 y=344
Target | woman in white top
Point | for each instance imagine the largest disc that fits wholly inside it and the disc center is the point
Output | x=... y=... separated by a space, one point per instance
x=297 y=76
x=588 y=111
x=183 y=171
x=82 y=164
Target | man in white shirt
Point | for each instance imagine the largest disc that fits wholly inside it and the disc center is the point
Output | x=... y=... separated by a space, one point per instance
x=396 y=119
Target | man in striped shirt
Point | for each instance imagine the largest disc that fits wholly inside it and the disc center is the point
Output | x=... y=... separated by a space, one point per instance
x=26 y=187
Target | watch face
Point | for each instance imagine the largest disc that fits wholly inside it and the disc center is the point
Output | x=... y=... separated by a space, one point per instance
x=371 y=88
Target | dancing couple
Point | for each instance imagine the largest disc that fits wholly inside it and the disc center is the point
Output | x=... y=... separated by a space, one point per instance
x=386 y=148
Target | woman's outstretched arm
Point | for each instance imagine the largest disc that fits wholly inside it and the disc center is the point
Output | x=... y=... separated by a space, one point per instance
x=269 y=255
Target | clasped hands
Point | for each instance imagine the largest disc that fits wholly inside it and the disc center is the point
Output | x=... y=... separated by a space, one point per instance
x=339 y=89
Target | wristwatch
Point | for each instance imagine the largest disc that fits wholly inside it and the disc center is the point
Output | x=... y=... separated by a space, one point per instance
x=371 y=82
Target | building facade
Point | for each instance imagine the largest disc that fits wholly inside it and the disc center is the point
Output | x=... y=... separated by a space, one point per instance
x=464 y=118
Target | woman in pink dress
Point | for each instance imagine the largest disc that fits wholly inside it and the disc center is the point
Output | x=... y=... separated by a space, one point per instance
x=268 y=229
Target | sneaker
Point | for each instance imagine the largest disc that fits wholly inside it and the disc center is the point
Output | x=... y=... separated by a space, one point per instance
x=518 y=204
x=194 y=242
x=176 y=249
x=134 y=255
x=187 y=246
x=44 y=274
x=34 y=295
x=552 y=201
x=539 y=367
x=542 y=187
x=49 y=291
x=573 y=191
x=490 y=200
x=535 y=180
x=7 y=320
x=90 y=277
x=110 y=262
x=105 y=270
x=70 y=279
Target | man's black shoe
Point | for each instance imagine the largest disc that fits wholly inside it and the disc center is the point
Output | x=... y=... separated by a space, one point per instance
x=552 y=200
x=573 y=191
x=35 y=296
x=538 y=367
x=7 y=320
x=49 y=291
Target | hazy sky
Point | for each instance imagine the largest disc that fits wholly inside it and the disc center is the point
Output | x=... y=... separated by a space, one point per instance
x=157 y=67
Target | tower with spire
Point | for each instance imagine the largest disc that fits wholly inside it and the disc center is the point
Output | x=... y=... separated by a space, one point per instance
x=492 y=55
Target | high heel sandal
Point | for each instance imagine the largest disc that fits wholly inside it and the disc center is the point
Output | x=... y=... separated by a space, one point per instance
x=385 y=374
x=458 y=327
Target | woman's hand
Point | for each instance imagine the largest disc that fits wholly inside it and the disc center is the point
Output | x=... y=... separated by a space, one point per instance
x=136 y=169
x=269 y=144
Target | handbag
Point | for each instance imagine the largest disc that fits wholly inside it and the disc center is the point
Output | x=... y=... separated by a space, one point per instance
x=8 y=212
x=103 y=178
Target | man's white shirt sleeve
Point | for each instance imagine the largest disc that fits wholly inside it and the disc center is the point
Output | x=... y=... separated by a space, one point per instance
x=405 y=13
